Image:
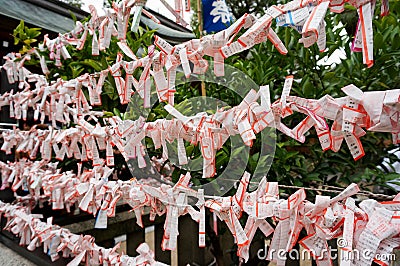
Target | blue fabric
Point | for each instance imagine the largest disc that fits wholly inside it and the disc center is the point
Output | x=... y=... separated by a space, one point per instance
x=216 y=15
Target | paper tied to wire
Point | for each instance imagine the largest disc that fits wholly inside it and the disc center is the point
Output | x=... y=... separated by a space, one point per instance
x=305 y=17
x=308 y=19
x=370 y=225
x=55 y=240
x=351 y=115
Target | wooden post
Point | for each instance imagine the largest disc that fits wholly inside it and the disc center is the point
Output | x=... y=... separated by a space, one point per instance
x=161 y=256
x=200 y=20
x=203 y=88
x=188 y=244
x=200 y=17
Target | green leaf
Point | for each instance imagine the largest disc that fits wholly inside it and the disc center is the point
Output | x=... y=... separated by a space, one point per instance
x=392 y=176
x=378 y=41
x=73 y=16
x=117 y=112
x=92 y=63
x=108 y=114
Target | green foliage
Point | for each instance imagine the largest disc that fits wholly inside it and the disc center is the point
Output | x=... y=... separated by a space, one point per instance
x=25 y=36
x=195 y=23
x=83 y=62
x=306 y=164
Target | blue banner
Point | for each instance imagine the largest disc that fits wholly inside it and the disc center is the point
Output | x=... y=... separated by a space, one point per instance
x=216 y=15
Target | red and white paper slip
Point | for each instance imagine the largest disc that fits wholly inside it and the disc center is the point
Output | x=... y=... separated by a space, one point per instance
x=355 y=146
x=312 y=25
x=363 y=40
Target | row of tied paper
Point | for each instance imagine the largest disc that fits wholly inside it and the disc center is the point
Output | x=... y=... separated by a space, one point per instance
x=369 y=226
x=55 y=240
x=374 y=111
x=307 y=17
